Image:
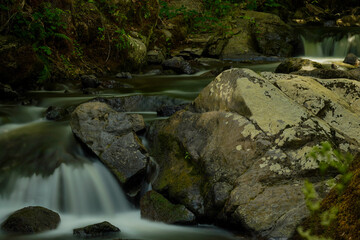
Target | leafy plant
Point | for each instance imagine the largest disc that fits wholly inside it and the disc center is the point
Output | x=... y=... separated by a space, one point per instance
x=327 y=158
x=121 y=39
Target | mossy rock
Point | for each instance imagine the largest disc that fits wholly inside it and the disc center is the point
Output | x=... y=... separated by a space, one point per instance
x=31 y=220
x=157 y=208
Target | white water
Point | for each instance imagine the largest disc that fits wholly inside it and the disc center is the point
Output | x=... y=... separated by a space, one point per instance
x=332 y=46
x=80 y=189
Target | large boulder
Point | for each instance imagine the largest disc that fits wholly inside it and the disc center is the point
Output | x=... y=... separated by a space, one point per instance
x=112 y=137
x=31 y=220
x=96 y=230
x=254 y=34
x=155 y=207
x=239 y=155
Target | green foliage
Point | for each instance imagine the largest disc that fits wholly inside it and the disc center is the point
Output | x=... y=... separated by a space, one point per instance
x=101 y=33
x=327 y=158
x=38 y=28
x=121 y=39
x=333 y=159
x=214 y=11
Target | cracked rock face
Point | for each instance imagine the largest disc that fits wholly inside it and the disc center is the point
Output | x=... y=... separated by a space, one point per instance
x=252 y=133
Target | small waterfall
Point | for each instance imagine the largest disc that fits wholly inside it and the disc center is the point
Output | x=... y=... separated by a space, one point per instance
x=330 y=44
x=52 y=170
x=89 y=189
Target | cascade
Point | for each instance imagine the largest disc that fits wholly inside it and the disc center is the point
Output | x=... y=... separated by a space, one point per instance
x=329 y=42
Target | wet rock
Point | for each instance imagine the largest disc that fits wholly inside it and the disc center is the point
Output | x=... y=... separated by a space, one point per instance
x=140 y=103
x=352 y=59
x=56 y=113
x=89 y=81
x=296 y=64
x=238 y=154
x=31 y=220
x=96 y=230
x=155 y=57
x=179 y=65
x=166 y=111
x=155 y=207
x=125 y=75
x=111 y=136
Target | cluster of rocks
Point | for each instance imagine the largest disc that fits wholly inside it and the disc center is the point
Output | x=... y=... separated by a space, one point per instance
x=305 y=67
x=37 y=219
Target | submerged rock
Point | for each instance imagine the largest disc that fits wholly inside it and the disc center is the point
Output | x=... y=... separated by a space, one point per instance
x=31 y=220
x=89 y=81
x=96 y=230
x=352 y=59
x=297 y=64
x=179 y=65
x=155 y=207
x=125 y=75
x=238 y=155
x=56 y=113
x=111 y=136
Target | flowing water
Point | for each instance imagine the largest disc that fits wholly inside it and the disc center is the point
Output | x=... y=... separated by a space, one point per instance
x=41 y=164
x=330 y=43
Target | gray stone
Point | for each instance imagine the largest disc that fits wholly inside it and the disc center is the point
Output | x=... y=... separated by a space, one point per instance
x=111 y=136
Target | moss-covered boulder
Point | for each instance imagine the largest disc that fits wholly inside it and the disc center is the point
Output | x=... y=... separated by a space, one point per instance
x=290 y=65
x=31 y=220
x=155 y=207
x=239 y=154
x=96 y=230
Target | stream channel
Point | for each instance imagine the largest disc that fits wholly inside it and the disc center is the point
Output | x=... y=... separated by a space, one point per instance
x=43 y=164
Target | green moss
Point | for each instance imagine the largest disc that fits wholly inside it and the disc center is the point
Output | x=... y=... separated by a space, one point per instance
x=156 y=207
x=178 y=175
